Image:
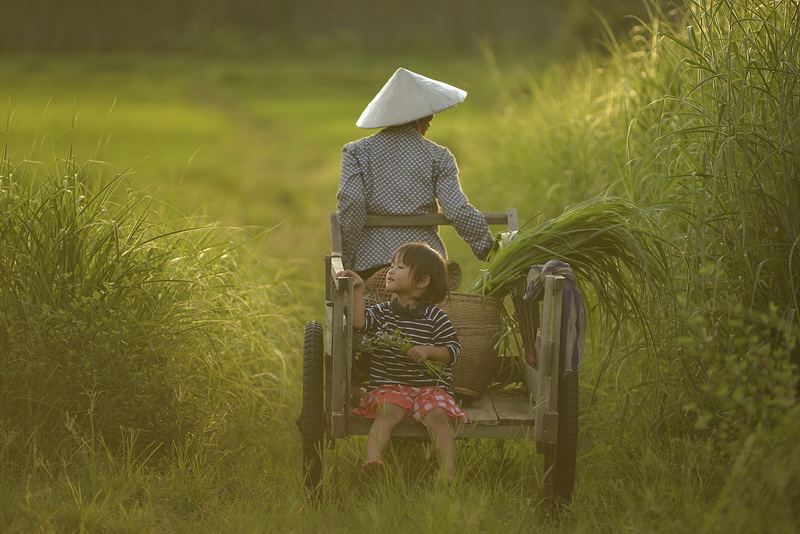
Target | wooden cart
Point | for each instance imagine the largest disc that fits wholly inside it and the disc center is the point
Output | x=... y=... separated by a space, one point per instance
x=546 y=412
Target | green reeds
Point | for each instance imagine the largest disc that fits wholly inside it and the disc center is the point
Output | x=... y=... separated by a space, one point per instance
x=613 y=247
x=112 y=317
x=397 y=340
x=736 y=114
x=695 y=120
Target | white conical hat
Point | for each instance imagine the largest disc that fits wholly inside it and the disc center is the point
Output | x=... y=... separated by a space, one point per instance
x=408 y=96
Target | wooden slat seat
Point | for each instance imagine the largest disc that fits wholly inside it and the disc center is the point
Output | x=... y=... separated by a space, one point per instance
x=494 y=415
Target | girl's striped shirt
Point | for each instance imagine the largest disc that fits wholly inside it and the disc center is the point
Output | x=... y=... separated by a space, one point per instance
x=425 y=325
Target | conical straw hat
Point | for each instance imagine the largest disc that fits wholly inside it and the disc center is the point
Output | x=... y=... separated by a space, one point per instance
x=408 y=96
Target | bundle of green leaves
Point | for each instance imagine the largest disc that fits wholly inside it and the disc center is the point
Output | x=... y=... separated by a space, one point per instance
x=613 y=247
x=398 y=340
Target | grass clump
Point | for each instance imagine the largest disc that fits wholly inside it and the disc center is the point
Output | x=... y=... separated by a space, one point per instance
x=113 y=321
x=744 y=370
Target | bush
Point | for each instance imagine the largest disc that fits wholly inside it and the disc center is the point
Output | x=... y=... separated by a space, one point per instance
x=763 y=489
x=745 y=379
x=108 y=320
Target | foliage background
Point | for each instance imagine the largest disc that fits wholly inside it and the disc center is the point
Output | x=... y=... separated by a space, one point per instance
x=272 y=27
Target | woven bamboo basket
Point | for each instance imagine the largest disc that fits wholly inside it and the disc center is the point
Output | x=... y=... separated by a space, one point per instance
x=478 y=323
x=375 y=286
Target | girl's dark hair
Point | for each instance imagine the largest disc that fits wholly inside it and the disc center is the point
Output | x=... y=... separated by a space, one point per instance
x=426 y=261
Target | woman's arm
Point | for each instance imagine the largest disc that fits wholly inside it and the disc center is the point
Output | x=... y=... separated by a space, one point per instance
x=468 y=222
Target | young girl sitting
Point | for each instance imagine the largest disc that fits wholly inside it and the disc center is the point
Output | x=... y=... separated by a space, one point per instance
x=401 y=383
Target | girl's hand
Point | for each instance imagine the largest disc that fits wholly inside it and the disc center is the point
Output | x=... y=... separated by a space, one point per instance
x=420 y=353
x=347 y=273
x=358 y=315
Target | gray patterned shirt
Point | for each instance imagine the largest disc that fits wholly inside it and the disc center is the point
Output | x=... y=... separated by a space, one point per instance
x=397 y=171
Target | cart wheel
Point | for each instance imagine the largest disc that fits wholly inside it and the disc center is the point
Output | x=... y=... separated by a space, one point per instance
x=312 y=415
x=560 y=459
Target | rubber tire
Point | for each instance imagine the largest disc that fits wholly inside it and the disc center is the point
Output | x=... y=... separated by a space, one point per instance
x=312 y=414
x=563 y=456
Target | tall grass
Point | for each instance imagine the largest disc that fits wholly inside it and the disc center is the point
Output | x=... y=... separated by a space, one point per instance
x=725 y=166
x=120 y=326
x=731 y=159
x=695 y=118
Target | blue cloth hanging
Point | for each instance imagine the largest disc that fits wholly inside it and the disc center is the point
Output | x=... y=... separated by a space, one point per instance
x=573 y=310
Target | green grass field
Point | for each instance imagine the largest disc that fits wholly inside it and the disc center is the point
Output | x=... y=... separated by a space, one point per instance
x=178 y=414
x=246 y=144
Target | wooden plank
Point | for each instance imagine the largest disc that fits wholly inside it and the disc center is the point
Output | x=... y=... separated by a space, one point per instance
x=550 y=427
x=496 y=431
x=431 y=219
x=338 y=425
x=492 y=416
x=507 y=218
x=408 y=428
x=328 y=281
x=555 y=361
x=511 y=218
x=336 y=234
x=347 y=348
x=339 y=400
x=572 y=336
x=328 y=338
x=547 y=387
x=514 y=409
x=482 y=410
x=335 y=268
x=542 y=390
x=544 y=358
x=531 y=375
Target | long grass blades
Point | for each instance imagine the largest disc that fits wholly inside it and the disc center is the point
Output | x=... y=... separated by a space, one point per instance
x=112 y=316
x=612 y=246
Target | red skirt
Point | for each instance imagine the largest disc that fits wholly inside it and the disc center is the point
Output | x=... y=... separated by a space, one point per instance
x=416 y=402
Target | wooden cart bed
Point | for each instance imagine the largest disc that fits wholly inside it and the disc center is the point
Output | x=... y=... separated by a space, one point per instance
x=494 y=415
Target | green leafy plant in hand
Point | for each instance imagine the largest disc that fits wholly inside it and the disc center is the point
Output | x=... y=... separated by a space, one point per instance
x=398 y=340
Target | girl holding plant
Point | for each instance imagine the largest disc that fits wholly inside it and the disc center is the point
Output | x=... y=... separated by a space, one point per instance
x=415 y=345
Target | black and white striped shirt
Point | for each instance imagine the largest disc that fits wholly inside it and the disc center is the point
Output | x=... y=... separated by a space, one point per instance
x=425 y=325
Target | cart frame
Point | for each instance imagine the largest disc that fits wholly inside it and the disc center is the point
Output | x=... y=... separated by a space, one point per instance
x=546 y=412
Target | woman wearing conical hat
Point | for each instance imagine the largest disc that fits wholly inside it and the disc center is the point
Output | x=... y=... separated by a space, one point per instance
x=397 y=171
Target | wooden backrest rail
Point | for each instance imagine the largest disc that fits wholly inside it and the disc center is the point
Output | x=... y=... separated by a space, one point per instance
x=428 y=220
x=507 y=218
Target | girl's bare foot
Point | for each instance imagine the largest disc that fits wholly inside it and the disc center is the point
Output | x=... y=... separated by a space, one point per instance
x=372 y=467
